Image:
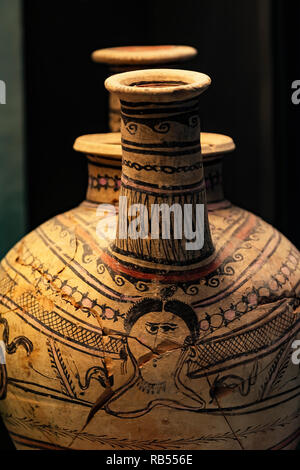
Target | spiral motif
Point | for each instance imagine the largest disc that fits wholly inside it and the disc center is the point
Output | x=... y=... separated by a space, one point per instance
x=132 y=128
x=238 y=257
x=119 y=280
x=213 y=282
x=162 y=127
x=194 y=121
x=100 y=268
x=87 y=255
x=141 y=286
x=190 y=289
x=228 y=270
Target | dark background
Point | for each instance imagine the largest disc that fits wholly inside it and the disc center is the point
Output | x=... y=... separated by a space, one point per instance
x=249 y=48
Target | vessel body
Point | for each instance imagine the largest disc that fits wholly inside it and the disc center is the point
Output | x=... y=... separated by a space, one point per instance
x=111 y=344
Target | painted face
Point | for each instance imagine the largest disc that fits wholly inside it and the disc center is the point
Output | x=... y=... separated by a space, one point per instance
x=159 y=337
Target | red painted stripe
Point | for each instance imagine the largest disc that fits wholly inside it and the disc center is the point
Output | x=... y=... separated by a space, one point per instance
x=288 y=440
x=34 y=443
x=191 y=274
x=175 y=276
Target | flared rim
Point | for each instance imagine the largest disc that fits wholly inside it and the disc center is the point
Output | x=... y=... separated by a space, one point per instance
x=104 y=145
x=143 y=55
x=158 y=84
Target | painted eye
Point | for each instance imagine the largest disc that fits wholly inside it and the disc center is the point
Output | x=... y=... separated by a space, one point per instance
x=168 y=327
x=152 y=328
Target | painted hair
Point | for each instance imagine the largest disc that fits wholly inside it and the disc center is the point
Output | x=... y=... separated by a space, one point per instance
x=178 y=308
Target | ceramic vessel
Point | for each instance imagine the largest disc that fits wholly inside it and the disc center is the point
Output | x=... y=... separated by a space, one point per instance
x=138 y=343
x=125 y=58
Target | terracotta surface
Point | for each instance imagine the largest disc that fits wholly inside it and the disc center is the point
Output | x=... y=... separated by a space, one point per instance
x=122 y=59
x=127 y=345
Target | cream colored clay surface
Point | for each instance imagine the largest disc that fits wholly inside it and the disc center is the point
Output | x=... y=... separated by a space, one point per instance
x=138 y=343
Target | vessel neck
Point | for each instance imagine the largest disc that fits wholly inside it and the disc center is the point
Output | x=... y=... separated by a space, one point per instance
x=213 y=169
x=163 y=184
x=104 y=181
x=214 y=180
